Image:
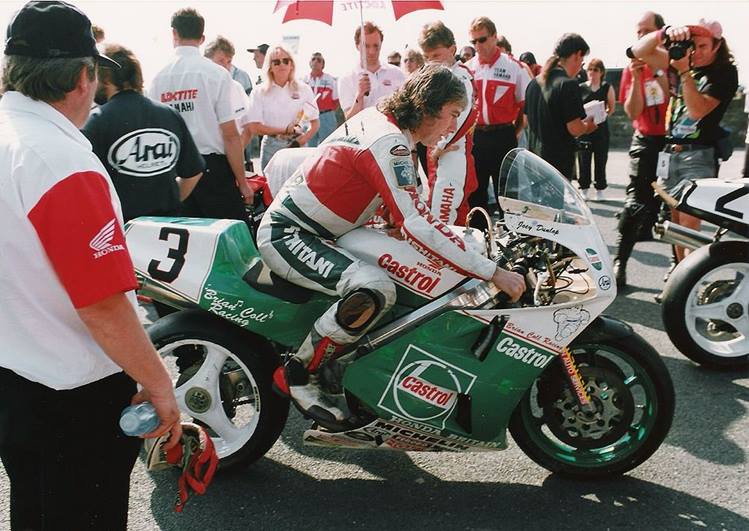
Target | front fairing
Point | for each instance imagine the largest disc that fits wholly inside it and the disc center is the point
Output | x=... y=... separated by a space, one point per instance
x=539 y=201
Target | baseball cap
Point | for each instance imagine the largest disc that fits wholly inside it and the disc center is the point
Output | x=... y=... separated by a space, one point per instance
x=262 y=48
x=713 y=26
x=52 y=30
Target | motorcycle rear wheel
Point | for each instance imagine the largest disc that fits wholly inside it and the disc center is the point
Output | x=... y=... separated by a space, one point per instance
x=223 y=381
x=634 y=398
x=705 y=305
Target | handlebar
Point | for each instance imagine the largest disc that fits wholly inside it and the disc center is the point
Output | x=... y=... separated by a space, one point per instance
x=521 y=266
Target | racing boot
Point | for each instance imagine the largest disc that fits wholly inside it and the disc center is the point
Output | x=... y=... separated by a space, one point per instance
x=299 y=379
x=625 y=244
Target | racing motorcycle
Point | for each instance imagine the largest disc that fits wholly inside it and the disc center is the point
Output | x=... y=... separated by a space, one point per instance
x=451 y=367
x=705 y=303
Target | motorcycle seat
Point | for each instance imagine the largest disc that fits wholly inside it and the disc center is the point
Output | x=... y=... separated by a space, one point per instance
x=261 y=278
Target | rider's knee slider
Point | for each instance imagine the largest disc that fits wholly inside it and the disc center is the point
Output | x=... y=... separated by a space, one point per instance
x=357 y=310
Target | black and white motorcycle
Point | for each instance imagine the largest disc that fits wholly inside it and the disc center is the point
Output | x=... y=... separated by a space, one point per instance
x=705 y=305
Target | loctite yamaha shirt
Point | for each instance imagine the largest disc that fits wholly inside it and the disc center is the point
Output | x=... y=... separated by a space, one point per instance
x=500 y=84
x=61 y=246
x=364 y=163
x=325 y=88
x=201 y=92
x=452 y=177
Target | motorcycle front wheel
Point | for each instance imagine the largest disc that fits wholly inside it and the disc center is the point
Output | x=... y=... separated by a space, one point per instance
x=223 y=382
x=633 y=399
x=705 y=305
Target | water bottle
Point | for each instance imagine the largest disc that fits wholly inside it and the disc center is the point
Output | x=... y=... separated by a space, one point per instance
x=139 y=419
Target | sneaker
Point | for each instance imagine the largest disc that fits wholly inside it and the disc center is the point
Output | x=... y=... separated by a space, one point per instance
x=585 y=192
x=600 y=196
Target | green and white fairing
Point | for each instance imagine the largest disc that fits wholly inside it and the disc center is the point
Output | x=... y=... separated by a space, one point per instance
x=423 y=375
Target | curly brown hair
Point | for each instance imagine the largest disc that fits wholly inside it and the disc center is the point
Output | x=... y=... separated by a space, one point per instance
x=423 y=95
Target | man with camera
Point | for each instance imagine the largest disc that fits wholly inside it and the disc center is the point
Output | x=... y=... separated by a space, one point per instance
x=643 y=93
x=702 y=81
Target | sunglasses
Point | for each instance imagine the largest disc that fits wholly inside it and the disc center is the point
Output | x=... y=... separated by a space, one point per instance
x=480 y=40
x=276 y=62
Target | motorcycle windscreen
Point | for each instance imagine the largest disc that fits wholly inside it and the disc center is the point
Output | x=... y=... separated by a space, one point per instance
x=535 y=189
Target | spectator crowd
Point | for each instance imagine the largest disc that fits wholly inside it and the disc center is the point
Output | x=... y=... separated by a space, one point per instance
x=185 y=146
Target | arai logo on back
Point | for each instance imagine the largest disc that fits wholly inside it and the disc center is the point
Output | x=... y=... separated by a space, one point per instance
x=145 y=152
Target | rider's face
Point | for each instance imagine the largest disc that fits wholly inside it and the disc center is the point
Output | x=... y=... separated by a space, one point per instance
x=441 y=55
x=432 y=129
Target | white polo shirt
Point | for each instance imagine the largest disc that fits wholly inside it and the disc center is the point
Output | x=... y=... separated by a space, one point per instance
x=201 y=91
x=241 y=102
x=62 y=246
x=280 y=106
x=383 y=83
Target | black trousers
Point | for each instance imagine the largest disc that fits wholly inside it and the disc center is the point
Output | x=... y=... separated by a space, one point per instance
x=641 y=205
x=489 y=149
x=68 y=462
x=216 y=195
x=598 y=155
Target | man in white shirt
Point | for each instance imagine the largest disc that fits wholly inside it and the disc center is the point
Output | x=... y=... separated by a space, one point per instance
x=363 y=87
x=201 y=91
x=221 y=51
x=67 y=299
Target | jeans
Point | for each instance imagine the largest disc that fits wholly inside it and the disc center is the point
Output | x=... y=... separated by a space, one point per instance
x=328 y=124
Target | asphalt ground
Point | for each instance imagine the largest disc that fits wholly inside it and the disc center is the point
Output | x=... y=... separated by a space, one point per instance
x=697 y=479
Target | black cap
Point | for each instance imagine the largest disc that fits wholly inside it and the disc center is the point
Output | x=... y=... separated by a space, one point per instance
x=262 y=48
x=52 y=30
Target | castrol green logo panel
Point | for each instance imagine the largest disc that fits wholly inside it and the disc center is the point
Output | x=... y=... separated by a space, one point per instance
x=425 y=388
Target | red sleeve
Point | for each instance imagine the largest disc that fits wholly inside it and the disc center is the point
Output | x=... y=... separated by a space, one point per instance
x=79 y=231
x=624 y=84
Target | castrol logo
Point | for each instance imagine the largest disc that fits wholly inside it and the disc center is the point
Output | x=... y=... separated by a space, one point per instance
x=410 y=275
x=434 y=394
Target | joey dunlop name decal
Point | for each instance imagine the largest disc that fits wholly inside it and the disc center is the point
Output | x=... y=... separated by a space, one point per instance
x=234 y=310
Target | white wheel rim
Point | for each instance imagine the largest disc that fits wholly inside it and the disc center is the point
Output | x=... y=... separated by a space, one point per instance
x=700 y=317
x=231 y=434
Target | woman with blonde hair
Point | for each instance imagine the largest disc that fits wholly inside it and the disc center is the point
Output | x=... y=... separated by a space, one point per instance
x=283 y=109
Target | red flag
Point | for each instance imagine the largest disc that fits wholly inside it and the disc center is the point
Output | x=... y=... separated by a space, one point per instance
x=321 y=10
x=404 y=7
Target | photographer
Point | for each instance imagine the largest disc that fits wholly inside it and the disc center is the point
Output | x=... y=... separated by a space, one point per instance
x=643 y=93
x=702 y=81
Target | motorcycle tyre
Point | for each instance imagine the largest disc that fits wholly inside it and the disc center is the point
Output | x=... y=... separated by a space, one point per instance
x=257 y=355
x=689 y=271
x=644 y=354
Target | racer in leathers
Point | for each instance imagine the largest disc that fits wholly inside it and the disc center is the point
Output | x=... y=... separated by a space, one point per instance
x=450 y=164
x=366 y=162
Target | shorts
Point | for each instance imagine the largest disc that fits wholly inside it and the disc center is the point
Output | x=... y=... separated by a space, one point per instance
x=687 y=165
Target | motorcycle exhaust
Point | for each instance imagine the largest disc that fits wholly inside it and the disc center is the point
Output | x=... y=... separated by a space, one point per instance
x=676 y=234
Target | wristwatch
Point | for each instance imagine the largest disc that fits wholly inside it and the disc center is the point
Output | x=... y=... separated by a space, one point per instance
x=659 y=73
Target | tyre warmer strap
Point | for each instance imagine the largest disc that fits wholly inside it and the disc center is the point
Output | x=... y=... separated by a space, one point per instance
x=195 y=455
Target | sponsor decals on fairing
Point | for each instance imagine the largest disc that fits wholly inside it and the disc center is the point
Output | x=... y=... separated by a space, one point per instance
x=409 y=275
x=425 y=388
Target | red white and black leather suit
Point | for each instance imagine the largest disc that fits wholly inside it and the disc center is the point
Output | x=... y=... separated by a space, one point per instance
x=366 y=162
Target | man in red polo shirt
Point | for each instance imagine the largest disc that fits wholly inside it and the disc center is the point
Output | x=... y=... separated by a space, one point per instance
x=500 y=85
x=644 y=95
x=326 y=91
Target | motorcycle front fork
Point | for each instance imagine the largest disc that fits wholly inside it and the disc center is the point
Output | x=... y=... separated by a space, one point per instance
x=575 y=381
